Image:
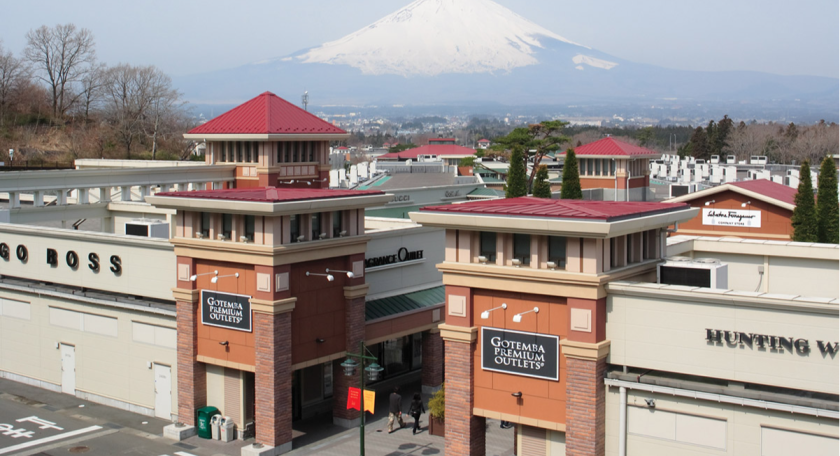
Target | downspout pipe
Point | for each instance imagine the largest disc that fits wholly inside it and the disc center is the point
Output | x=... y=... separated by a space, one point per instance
x=622 y=422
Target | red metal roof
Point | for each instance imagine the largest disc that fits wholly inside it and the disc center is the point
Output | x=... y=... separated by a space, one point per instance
x=440 y=140
x=483 y=140
x=769 y=189
x=612 y=147
x=432 y=149
x=271 y=194
x=267 y=114
x=528 y=206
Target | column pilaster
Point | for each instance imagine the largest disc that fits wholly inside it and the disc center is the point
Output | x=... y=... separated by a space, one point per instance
x=354 y=332
x=192 y=375
x=465 y=433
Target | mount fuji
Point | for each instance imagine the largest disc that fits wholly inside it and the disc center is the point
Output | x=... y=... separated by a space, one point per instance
x=467 y=52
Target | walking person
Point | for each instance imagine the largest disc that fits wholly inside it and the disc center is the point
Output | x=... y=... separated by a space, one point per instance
x=415 y=410
x=394 y=412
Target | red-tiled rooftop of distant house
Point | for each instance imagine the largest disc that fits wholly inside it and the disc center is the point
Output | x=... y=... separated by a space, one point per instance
x=267 y=114
x=576 y=209
x=611 y=147
x=432 y=149
x=271 y=194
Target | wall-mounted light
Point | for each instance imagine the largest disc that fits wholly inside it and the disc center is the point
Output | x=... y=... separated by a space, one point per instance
x=482 y=259
x=224 y=342
x=329 y=277
x=517 y=394
x=710 y=202
x=486 y=314
x=216 y=279
x=320 y=341
x=516 y=262
x=551 y=265
x=195 y=276
x=350 y=274
x=650 y=403
x=748 y=203
x=518 y=317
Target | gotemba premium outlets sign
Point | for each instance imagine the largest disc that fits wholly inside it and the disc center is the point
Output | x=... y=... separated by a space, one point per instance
x=226 y=310
x=732 y=217
x=520 y=353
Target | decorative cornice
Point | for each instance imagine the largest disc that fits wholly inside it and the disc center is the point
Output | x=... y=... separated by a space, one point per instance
x=452 y=333
x=225 y=363
x=356 y=291
x=273 y=307
x=269 y=255
x=519 y=419
x=584 y=350
x=185 y=295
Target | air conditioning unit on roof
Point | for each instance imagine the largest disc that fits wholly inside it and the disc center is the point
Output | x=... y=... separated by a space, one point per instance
x=702 y=273
x=147 y=228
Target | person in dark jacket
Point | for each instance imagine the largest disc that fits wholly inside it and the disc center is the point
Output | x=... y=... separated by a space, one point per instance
x=394 y=412
x=415 y=410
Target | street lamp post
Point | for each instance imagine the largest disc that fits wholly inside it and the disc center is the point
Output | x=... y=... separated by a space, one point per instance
x=373 y=371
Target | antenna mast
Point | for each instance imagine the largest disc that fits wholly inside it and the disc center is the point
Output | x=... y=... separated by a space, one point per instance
x=305 y=100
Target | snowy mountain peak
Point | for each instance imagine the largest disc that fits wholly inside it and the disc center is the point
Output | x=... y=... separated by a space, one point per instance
x=431 y=37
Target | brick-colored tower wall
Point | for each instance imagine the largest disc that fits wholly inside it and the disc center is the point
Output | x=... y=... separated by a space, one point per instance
x=465 y=433
x=273 y=378
x=585 y=407
x=433 y=360
x=354 y=332
x=192 y=375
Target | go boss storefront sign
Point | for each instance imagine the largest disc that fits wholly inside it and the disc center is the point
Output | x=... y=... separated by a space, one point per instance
x=71 y=258
x=520 y=353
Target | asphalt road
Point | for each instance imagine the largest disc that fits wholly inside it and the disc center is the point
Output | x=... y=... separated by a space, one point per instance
x=42 y=423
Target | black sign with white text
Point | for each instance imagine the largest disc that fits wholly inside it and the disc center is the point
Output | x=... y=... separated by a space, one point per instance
x=520 y=353
x=226 y=310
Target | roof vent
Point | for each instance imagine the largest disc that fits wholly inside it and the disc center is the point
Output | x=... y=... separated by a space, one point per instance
x=679 y=259
x=707 y=261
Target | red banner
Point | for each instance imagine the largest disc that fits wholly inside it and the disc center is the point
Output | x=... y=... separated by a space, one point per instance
x=354 y=399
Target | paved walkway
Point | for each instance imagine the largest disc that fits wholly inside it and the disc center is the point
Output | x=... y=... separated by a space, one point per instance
x=125 y=433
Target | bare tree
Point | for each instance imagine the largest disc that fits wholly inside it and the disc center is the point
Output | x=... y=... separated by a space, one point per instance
x=90 y=90
x=164 y=105
x=13 y=75
x=61 y=55
x=127 y=99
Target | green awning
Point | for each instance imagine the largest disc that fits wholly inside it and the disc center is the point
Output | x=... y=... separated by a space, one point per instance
x=386 y=307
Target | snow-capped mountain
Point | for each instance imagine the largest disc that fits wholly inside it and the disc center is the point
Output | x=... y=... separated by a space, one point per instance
x=477 y=51
x=431 y=37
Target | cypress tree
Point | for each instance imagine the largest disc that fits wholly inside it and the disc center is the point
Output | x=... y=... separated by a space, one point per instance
x=571 y=177
x=517 y=180
x=828 y=217
x=542 y=188
x=804 y=219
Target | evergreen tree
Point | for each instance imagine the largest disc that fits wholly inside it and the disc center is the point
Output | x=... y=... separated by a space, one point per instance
x=517 y=180
x=571 y=177
x=699 y=144
x=542 y=188
x=828 y=217
x=724 y=127
x=804 y=219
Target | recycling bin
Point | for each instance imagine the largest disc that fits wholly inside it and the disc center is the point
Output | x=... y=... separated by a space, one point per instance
x=215 y=421
x=226 y=429
x=202 y=421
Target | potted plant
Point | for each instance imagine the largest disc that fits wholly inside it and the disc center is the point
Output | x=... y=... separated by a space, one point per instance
x=437 y=411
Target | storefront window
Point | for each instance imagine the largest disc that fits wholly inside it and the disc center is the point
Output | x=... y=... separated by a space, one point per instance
x=522 y=248
x=336 y=224
x=316 y=225
x=557 y=251
x=294 y=227
x=488 y=246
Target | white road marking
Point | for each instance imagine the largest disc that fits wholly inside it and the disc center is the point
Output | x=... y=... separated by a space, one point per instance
x=49 y=439
x=181 y=453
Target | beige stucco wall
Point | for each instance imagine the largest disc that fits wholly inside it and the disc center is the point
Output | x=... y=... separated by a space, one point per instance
x=399 y=278
x=112 y=367
x=653 y=330
x=148 y=265
x=743 y=425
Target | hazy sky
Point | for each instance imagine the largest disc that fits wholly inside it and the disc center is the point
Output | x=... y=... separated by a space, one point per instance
x=188 y=36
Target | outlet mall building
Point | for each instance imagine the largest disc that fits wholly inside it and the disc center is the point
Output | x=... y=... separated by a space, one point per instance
x=559 y=316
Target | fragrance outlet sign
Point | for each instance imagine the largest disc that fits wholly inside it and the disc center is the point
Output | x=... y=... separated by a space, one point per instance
x=732 y=217
x=520 y=353
x=226 y=310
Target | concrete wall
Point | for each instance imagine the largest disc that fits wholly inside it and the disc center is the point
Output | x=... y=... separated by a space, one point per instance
x=693 y=427
x=665 y=329
x=112 y=346
x=147 y=265
x=403 y=277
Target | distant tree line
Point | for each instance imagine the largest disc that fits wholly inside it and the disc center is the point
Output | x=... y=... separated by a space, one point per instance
x=56 y=98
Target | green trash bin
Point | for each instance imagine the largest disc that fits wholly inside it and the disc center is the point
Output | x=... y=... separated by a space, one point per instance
x=202 y=420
